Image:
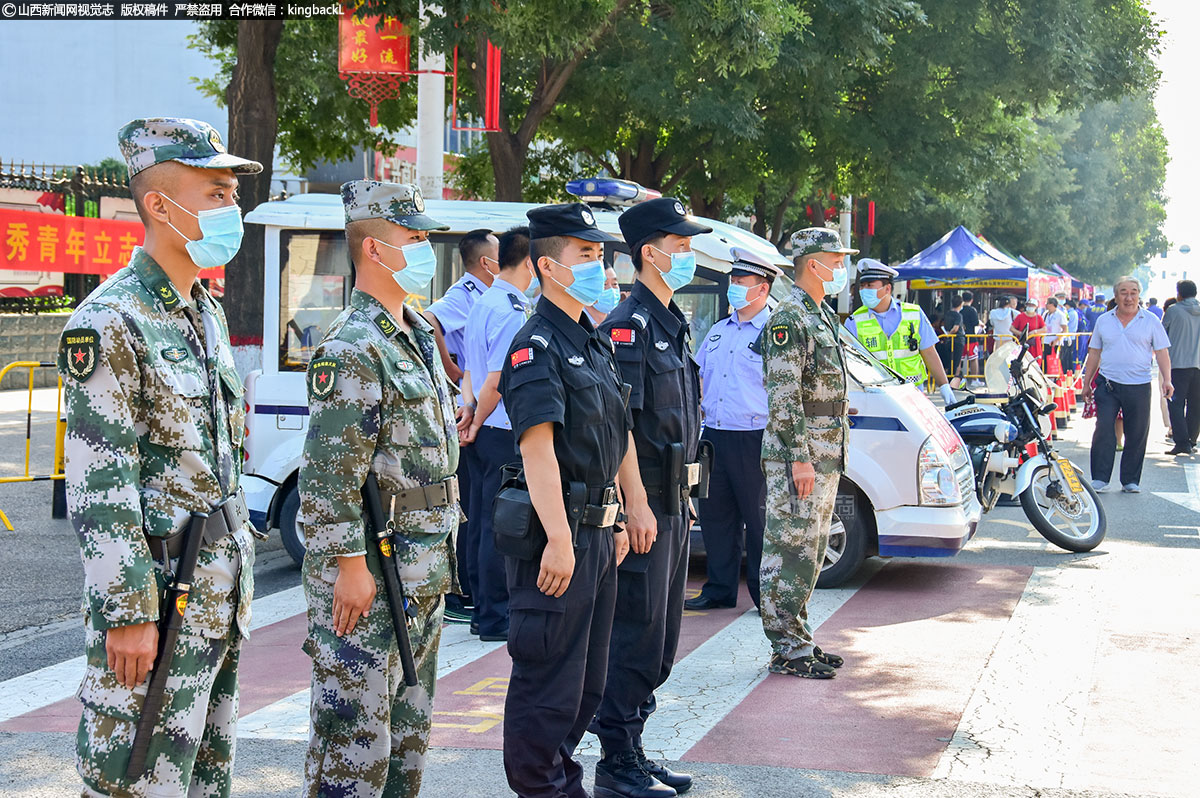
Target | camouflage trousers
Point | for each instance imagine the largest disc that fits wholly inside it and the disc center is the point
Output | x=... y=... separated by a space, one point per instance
x=191 y=752
x=793 y=550
x=369 y=732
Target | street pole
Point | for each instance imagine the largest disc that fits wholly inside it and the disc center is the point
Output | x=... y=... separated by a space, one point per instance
x=431 y=118
x=845 y=223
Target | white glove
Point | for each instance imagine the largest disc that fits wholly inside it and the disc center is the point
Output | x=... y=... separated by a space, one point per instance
x=947 y=394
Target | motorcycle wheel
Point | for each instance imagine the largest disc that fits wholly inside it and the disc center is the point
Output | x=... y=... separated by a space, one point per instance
x=1075 y=526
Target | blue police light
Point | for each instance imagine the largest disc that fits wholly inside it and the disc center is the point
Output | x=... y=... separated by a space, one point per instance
x=610 y=190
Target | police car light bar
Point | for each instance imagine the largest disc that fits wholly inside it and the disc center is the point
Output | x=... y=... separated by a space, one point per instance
x=610 y=190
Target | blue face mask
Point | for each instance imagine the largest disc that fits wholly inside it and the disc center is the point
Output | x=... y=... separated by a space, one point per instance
x=736 y=294
x=609 y=299
x=220 y=235
x=836 y=282
x=683 y=269
x=589 y=281
x=420 y=264
x=534 y=285
x=869 y=297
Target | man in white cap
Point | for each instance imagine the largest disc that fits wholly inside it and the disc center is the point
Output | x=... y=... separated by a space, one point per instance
x=897 y=333
x=734 y=407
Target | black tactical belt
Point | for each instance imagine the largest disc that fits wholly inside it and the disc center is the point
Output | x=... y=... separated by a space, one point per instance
x=652 y=476
x=426 y=497
x=223 y=520
x=826 y=408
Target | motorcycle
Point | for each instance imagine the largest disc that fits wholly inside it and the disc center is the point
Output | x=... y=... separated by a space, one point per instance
x=1059 y=502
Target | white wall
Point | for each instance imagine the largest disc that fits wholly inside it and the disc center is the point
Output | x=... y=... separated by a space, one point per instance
x=68 y=87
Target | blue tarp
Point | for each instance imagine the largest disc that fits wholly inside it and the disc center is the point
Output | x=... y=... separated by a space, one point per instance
x=961 y=255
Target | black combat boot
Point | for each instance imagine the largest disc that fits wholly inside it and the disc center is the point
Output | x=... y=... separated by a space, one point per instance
x=680 y=782
x=620 y=775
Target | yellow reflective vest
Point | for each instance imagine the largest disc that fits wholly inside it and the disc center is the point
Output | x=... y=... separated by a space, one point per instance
x=900 y=352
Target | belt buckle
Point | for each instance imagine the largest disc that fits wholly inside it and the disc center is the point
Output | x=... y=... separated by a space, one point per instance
x=451 y=485
x=610 y=515
x=692 y=474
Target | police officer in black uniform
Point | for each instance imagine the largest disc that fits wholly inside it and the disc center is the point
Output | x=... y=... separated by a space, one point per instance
x=652 y=339
x=566 y=404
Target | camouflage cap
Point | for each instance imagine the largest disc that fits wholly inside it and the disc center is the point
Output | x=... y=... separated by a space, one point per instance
x=400 y=203
x=818 y=239
x=146 y=142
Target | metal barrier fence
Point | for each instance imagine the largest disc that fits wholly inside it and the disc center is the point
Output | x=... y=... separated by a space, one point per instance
x=967 y=371
x=59 y=506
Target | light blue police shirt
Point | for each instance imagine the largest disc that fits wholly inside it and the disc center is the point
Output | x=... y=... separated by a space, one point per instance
x=890 y=319
x=491 y=326
x=1127 y=350
x=452 y=311
x=735 y=391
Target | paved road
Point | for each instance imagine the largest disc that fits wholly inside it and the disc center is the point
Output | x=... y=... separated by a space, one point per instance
x=1013 y=669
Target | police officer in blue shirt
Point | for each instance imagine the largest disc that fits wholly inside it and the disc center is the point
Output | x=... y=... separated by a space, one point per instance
x=490 y=327
x=566 y=404
x=653 y=348
x=448 y=315
x=734 y=406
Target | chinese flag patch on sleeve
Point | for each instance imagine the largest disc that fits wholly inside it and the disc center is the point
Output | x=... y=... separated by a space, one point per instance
x=521 y=357
x=622 y=335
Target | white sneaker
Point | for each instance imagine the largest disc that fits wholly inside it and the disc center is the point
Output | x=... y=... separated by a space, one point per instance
x=1132 y=487
x=1099 y=486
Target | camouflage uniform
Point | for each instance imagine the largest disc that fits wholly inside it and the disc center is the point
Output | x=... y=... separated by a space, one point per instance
x=155 y=422
x=805 y=371
x=380 y=401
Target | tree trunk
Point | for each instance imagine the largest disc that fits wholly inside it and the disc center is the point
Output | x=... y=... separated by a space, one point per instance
x=253 y=124
x=508 y=165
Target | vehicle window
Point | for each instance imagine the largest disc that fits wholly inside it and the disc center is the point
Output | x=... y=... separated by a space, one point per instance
x=314 y=286
x=862 y=367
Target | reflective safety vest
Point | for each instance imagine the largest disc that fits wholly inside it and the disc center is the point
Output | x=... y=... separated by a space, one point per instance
x=901 y=352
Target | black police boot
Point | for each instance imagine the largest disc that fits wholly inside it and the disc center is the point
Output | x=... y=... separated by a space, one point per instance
x=620 y=775
x=680 y=782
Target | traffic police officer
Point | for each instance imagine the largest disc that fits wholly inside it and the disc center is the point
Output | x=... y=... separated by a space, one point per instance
x=735 y=413
x=380 y=402
x=448 y=315
x=897 y=333
x=491 y=325
x=564 y=399
x=804 y=449
x=652 y=341
x=154 y=429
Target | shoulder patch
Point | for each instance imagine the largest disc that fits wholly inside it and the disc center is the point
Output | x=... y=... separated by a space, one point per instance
x=623 y=336
x=168 y=295
x=537 y=339
x=385 y=325
x=517 y=304
x=175 y=354
x=780 y=334
x=82 y=352
x=322 y=374
x=470 y=286
x=640 y=319
x=521 y=357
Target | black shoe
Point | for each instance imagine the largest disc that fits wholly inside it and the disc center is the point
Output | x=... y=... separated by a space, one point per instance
x=475 y=628
x=832 y=660
x=703 y=602
x=1181 y=450
x=500 y=638
x=680 y=782
x=620 y=775
x=804 y=667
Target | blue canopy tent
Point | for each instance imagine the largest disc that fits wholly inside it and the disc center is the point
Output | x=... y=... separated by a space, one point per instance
x=962 y=259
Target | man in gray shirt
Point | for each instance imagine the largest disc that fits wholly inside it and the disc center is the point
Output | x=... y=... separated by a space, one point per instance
x=1182 y=323
x=1124 y=342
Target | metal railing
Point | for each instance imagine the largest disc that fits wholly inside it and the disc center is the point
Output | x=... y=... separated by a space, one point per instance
x=60 y=429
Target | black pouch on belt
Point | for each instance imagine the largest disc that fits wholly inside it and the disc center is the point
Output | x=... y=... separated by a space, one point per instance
x=706 y=453
x=672 y=478
x=516 y=530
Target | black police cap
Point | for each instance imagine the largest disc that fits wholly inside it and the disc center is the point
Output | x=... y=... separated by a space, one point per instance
x=662 y=215
x=573 y=219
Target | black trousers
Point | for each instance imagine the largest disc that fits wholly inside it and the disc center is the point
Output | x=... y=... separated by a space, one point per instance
x=1133 y=402
x=466 y=543
x=645 y=632
x=494 y=449
x=736 y=506
x=1184 y=406
x=559 y=650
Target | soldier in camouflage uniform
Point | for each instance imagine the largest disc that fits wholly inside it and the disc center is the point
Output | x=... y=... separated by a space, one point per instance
x=379 y=402
x=154 y=431
x=803 y=450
